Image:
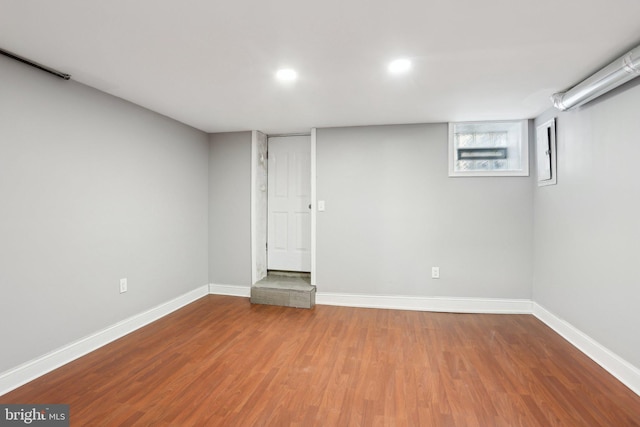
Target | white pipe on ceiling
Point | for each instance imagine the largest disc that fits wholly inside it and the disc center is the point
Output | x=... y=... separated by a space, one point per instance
x=620 y=71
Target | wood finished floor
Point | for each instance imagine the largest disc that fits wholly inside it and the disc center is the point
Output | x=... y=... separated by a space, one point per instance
x=223 y=362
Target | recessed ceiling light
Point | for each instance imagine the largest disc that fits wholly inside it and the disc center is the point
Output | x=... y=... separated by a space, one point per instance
x=286 y=75
x=399 y=66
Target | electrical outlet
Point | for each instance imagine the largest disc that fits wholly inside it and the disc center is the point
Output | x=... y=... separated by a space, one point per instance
x=123 y=285
x=435 y=272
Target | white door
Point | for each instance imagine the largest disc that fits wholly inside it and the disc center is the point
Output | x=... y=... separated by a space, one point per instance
x=289 y=222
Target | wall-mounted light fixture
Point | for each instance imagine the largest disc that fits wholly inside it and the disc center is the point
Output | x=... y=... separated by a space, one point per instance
x=610 y=77
x=35 y=64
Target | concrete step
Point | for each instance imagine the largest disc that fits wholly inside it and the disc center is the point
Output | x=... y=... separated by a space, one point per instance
x=284 y=291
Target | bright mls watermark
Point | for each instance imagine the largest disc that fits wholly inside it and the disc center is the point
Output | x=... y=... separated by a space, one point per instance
x=34 y=415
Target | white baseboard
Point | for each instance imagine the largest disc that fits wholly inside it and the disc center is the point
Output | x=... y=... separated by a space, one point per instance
x=444 y=304
x=624 y=371
x=452 y=305
x=33 y=369
x=232 y=290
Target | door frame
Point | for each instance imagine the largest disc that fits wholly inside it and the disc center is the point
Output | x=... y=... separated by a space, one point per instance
x=254 y=216
x=255 y=244
x=314 y=211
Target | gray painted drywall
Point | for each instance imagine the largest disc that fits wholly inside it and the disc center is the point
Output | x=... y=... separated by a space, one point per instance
x=587 y=227
x=92 y=189
x=392 y=213
x=230 y=209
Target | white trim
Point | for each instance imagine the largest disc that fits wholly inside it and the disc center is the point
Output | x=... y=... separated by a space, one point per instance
x=231 y=290
x=254 y=167
x=542 y=131
x=280 y=135
x=314 y=211
x=624 y=371
x=35 y=368
x=256 y=245
x=416 y=303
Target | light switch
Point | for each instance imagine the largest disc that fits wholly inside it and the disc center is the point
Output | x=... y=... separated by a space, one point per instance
x=321 y=205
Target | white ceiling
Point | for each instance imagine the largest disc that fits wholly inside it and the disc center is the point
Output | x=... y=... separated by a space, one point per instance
x=211 y=63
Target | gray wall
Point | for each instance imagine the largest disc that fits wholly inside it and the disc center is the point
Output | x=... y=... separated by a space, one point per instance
x=392 y=213
x=92 y=189
x=230 y=209
x=587 y=227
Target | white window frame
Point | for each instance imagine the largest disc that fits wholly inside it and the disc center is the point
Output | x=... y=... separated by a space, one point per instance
x=522 y=134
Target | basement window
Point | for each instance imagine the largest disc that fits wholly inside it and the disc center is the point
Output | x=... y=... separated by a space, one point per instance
x=498 y=148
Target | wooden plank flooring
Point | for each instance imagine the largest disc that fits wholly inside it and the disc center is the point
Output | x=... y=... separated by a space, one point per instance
x=223 y=362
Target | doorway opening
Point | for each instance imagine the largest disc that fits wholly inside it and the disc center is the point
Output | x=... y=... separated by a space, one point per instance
x=282 y=219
